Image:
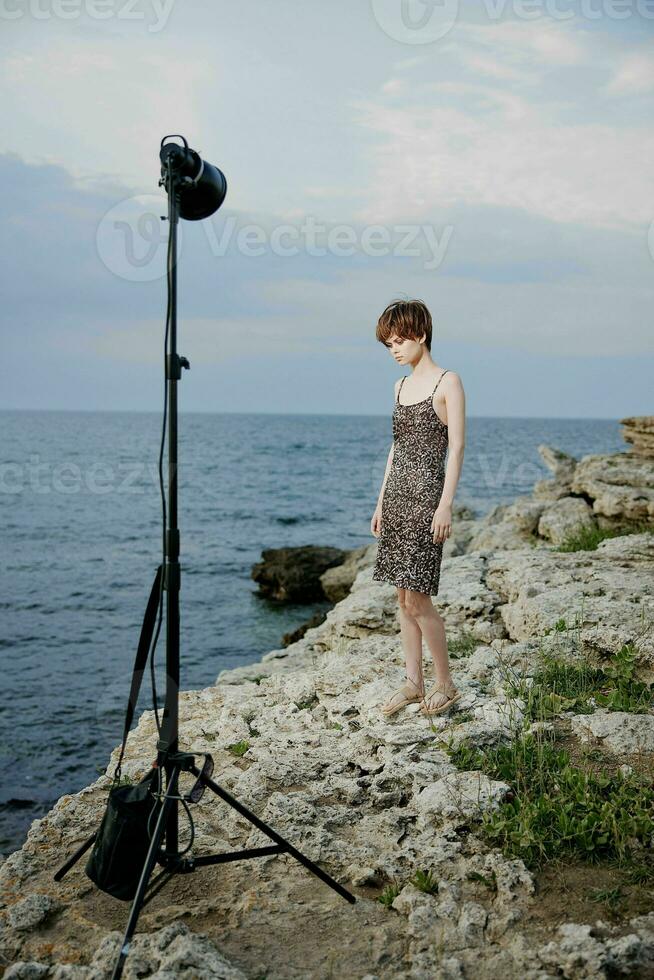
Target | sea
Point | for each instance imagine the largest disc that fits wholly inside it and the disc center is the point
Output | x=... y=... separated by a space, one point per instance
x=82 y=536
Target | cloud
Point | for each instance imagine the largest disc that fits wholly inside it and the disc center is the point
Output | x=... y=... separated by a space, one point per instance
x=405 y=63
x=214 y=340
x=495 y=123
x=394 y=86
x=528 y=139
x=95 y=87
x=501 y=289
x=479 y=146
x=523 y=42
x=635 y=76
x=508 y=277
x=482 y=64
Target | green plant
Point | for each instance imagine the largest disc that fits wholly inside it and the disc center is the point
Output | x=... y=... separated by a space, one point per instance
x=555 y=809
x=123 y=781
x=640 y=874
x=625 y=693
x=389 y=895
x=560 y=626
x=307 y=702
x=239 y=748
x=489 y=880
x=559 y=685
x=592 y=754
x=587 y=537
x=462 y=645
x=610 y=897
x=584 y=538
x=425 y=882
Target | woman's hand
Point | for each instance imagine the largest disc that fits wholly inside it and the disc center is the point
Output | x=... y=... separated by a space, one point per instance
x=441 y=523
x=375 y=523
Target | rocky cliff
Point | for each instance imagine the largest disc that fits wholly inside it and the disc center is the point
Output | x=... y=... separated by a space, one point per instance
x=411 y=814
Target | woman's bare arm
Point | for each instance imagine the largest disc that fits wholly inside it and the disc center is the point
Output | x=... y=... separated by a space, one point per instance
x=456 y=420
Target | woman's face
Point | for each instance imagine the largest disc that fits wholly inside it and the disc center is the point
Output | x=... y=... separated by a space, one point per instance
x=405 y=351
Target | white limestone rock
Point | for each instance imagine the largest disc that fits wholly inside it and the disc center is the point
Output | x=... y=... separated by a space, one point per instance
x=638 y=431
x=613 y=581
x=32 y=911
x=170 y=952
x=562 y=465
x=584 y=951
x=564 y=517
x=504 y=713
x=459 y=796
x=621 y=485
x=575 y=953
x=619 y=730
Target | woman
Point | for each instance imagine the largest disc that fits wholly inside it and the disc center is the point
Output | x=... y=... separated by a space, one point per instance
x=414 y=511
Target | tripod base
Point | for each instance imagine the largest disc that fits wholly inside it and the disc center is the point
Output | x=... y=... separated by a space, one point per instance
x=175 y=863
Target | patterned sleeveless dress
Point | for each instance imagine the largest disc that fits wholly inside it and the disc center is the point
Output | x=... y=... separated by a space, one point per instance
x=407 y=555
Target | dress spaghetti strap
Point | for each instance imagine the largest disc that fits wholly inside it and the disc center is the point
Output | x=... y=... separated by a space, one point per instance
x=439 y=381
x=397 y=400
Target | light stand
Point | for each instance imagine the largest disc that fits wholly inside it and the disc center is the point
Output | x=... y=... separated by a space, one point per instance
x=195 y=190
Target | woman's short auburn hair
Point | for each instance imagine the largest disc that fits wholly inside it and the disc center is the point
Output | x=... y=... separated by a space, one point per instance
x=409 y=319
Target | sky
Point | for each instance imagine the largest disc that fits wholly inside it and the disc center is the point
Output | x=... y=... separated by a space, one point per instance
x=492 y=158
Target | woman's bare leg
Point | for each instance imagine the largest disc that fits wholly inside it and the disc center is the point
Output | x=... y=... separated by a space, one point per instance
x=423 y=612
x=412 y=645
x=411 y=635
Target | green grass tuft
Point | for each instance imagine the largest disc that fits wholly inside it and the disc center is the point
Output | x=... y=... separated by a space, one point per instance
x=389 y=895
x=587 y=538
x=425 y=882
x=562 y=686
x=489 y=880
x=239 y=748
x=462 y=645
x=612 y=898
x=556 y=810
x=639 y=873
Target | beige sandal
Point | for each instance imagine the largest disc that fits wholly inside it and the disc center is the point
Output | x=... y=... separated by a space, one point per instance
x=407 y=698
x=448 y=690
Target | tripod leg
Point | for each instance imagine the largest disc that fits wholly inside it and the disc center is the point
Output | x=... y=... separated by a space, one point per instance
x=58 y=875
x=243 y=810
x=145 y=875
